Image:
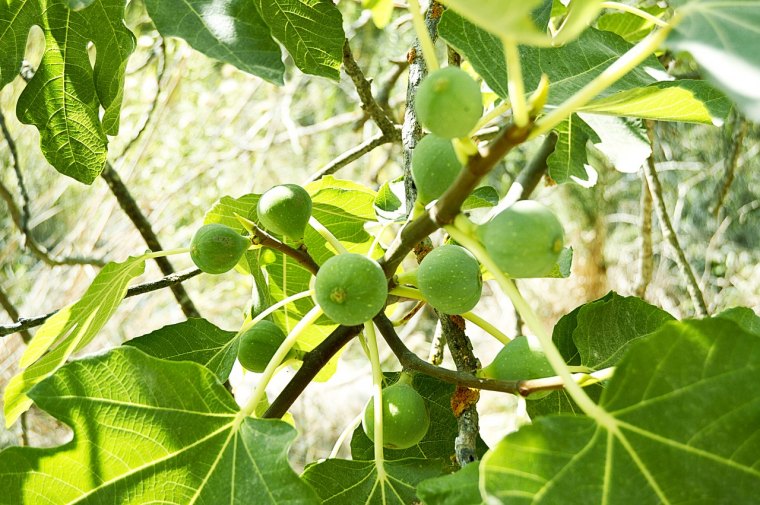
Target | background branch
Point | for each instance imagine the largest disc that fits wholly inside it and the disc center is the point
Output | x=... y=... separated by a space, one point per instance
x=736 y=133
x=353 y=155
x=646 y=256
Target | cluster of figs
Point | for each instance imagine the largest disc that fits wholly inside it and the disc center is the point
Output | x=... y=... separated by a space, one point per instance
x=523 y=240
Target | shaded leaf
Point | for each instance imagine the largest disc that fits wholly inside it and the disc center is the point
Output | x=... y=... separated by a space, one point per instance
x=339 y=481
x=231 y=31
x=311 y=31
x=480 y=198
x=390 y=200
x=148 y=431
x=69 y=331
x=568 y=162
x=744 y=317
x=195 y=340
x=459 y=488
x=629 y=26
x=672 y=433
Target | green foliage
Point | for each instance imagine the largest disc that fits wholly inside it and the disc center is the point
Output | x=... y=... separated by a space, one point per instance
x=524 y=240
x=405 y=417
x=435 y=166
x=448 y=103
x=285 y=210
x=449 y=279
x=146 y=430
x=350 y=288
x=217 y=248
x=258 y=344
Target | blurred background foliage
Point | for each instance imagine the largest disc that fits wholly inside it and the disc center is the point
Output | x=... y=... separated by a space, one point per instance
x=210 y=131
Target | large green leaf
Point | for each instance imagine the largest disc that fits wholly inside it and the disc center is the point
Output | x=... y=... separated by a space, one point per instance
x=744 y=317
x=150 y=431
x=231 y=31
x=459 y=488
x=195 y=340
x=723 y=36
x=683 y=426
x=568 y=161
x=68 y=331
x=64 y=97
x=311 y=31
x=339 y=481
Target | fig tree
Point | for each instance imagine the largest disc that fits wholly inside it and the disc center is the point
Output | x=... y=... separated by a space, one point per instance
x=405 y=417
x=449 y=279
x=448 y=102
x=285 y=210
x=434 y=167
x=520 y=359
x=523 y=240
x=350 y=288
x=258 y=344
x=217 y=248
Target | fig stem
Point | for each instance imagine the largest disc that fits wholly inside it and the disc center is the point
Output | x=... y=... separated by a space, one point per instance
x=408 y=277
x=377 y=390
x=635 y=11
x=428 y=49
x=348 y=430
x=487 y=327
x=515 y=84
x=166 y=252
x=269 y=310
x=260 y=392
x=497 y=111
x=327 y=235
x=555 y=359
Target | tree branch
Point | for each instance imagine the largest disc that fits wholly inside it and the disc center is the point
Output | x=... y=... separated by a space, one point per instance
x=646 y=256
x=669 y=233
x=129 y=205
x=170 y=280
x=13 y=313
x=739 y=128
x=353 y=154
x=263 y=238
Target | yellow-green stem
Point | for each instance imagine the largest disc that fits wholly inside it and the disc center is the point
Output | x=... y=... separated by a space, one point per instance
x=327 y=235
x=635 y=11
x=377 y=390
x=555 y=359
x=274 y=363
x=249 y=324
x=428 y=49
x=497 y=111
x=168 y=252
x=487 y=327
x=607 y=78
x=349 y=429
x=515 y=84
x=407 y=292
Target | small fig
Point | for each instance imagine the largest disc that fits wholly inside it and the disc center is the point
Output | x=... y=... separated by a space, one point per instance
x=285 y=210
x=520 y=359
x=258 y=344
x=434 y=167
x=448 y=102
x=217 y=248
x=405 y=417
x=450 y=280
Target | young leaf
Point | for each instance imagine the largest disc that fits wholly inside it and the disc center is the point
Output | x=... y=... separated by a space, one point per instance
x=195 y=340
x=311 y=31
x=339 y=481
x=64 y=97
x=722 y=36
x=569 y=161
x=148 y=430
x=231 y=31
x=68 y=331
x=682 y=409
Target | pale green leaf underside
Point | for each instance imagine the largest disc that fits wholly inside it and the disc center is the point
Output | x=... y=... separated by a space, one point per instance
x=65 y=96
x=231 y=31
x=339 y=481
x=687 y=417
x=504 y=18
x=623 y=142
x=311 y=31
x=723 y=37
x=69 y=331
x=150 y=431
x=195 y=340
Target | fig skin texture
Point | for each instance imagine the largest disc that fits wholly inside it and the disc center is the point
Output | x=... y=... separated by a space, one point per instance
x=351 y=288
x=285 y=210
x=519 y=360
x=217 y=248
x=435 y=167
x=449 y=103
x=405 y=417
x=524 y=240
x=258 y=344
x=450 y=280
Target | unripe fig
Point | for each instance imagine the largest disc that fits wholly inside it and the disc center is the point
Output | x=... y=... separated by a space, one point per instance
x=524 y=240
x=285 y=210
x=350 y=288
x=258 y=344
x=405 y=417
x=217 y=248
x=434 y=167
x=519 y=360
x=448 y=102
x=449 y=279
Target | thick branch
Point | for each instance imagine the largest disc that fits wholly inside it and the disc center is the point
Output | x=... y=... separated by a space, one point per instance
x=353 y=154
x=170 y=280
x=262 y=238
x=129 y=205
x=314 y=361
x=669 y=233
x=364 y=89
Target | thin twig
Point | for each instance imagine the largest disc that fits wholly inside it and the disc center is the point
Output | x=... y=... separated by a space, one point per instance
x=646 y=256
x=261 y=237
x=25 y=213
x=531 y=175
x=739 y=128
x=168 y=281
x=352 y=155
x=13 y=313
x=669 y=233
x=364 y=89
x=131 y=209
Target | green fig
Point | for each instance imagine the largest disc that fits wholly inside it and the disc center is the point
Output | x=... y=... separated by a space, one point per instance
x=448 y=102
x=217 y=248
x=450 y=280
x=285 y=210
x=405 y=417
x=435 y=167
